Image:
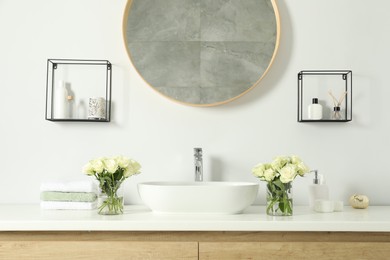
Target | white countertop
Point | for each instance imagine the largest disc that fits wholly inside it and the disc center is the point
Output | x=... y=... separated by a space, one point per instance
x=139 y=218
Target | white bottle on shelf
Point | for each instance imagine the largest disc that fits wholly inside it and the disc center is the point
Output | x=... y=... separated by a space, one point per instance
x=60 y=101
x=318 y=190
x=70 y=106
x=81 y=110
x=314 y=111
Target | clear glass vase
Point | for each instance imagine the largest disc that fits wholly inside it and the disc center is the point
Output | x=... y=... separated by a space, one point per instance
x=279 y=198
x=111 y=204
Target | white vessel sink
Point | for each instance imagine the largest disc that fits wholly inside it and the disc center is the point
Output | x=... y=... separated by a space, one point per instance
x=198 y=197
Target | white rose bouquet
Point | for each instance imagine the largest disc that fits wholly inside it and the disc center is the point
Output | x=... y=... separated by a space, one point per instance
x=279 y=174
x=111 y=172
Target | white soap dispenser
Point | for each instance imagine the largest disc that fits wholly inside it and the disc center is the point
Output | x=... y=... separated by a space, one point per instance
x=318 y=190
x=314 y=110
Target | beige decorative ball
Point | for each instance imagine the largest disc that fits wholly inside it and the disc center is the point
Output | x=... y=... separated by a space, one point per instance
x=359 y=201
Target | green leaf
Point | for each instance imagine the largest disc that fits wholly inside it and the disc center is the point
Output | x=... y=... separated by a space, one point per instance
x=279 y=184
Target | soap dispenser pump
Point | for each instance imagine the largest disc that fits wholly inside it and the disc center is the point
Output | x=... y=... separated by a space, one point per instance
x=318 y=190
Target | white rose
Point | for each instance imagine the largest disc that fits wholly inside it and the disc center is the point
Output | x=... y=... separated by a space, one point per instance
x=295 y=160
x=279 y=162
x=133 y=168
x=111 y=165
x=122 y=161
x=88 y=169
x=288 y=173
x=258 y=170
x=302 y=168
x=269 y=174
x=97 y=165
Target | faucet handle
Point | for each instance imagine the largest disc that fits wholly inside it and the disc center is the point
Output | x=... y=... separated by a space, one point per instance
x=198 y=151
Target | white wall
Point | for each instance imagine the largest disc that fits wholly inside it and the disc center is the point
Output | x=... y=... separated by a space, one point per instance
x=160 y=134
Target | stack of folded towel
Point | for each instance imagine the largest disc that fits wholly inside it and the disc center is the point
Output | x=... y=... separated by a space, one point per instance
x=68 y=195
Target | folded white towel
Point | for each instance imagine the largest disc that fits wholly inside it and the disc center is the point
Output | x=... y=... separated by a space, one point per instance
x=68 y=205
x=75 y=186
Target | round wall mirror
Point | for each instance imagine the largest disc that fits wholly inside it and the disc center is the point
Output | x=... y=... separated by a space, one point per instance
x=201 y=52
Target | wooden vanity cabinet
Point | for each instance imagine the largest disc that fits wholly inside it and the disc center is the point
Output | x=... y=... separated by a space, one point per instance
x=77 y=245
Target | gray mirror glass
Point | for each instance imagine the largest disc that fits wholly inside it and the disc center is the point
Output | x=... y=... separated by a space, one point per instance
x=201 y=52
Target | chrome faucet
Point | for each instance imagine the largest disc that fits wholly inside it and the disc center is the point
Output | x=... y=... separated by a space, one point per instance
x=198 y=164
